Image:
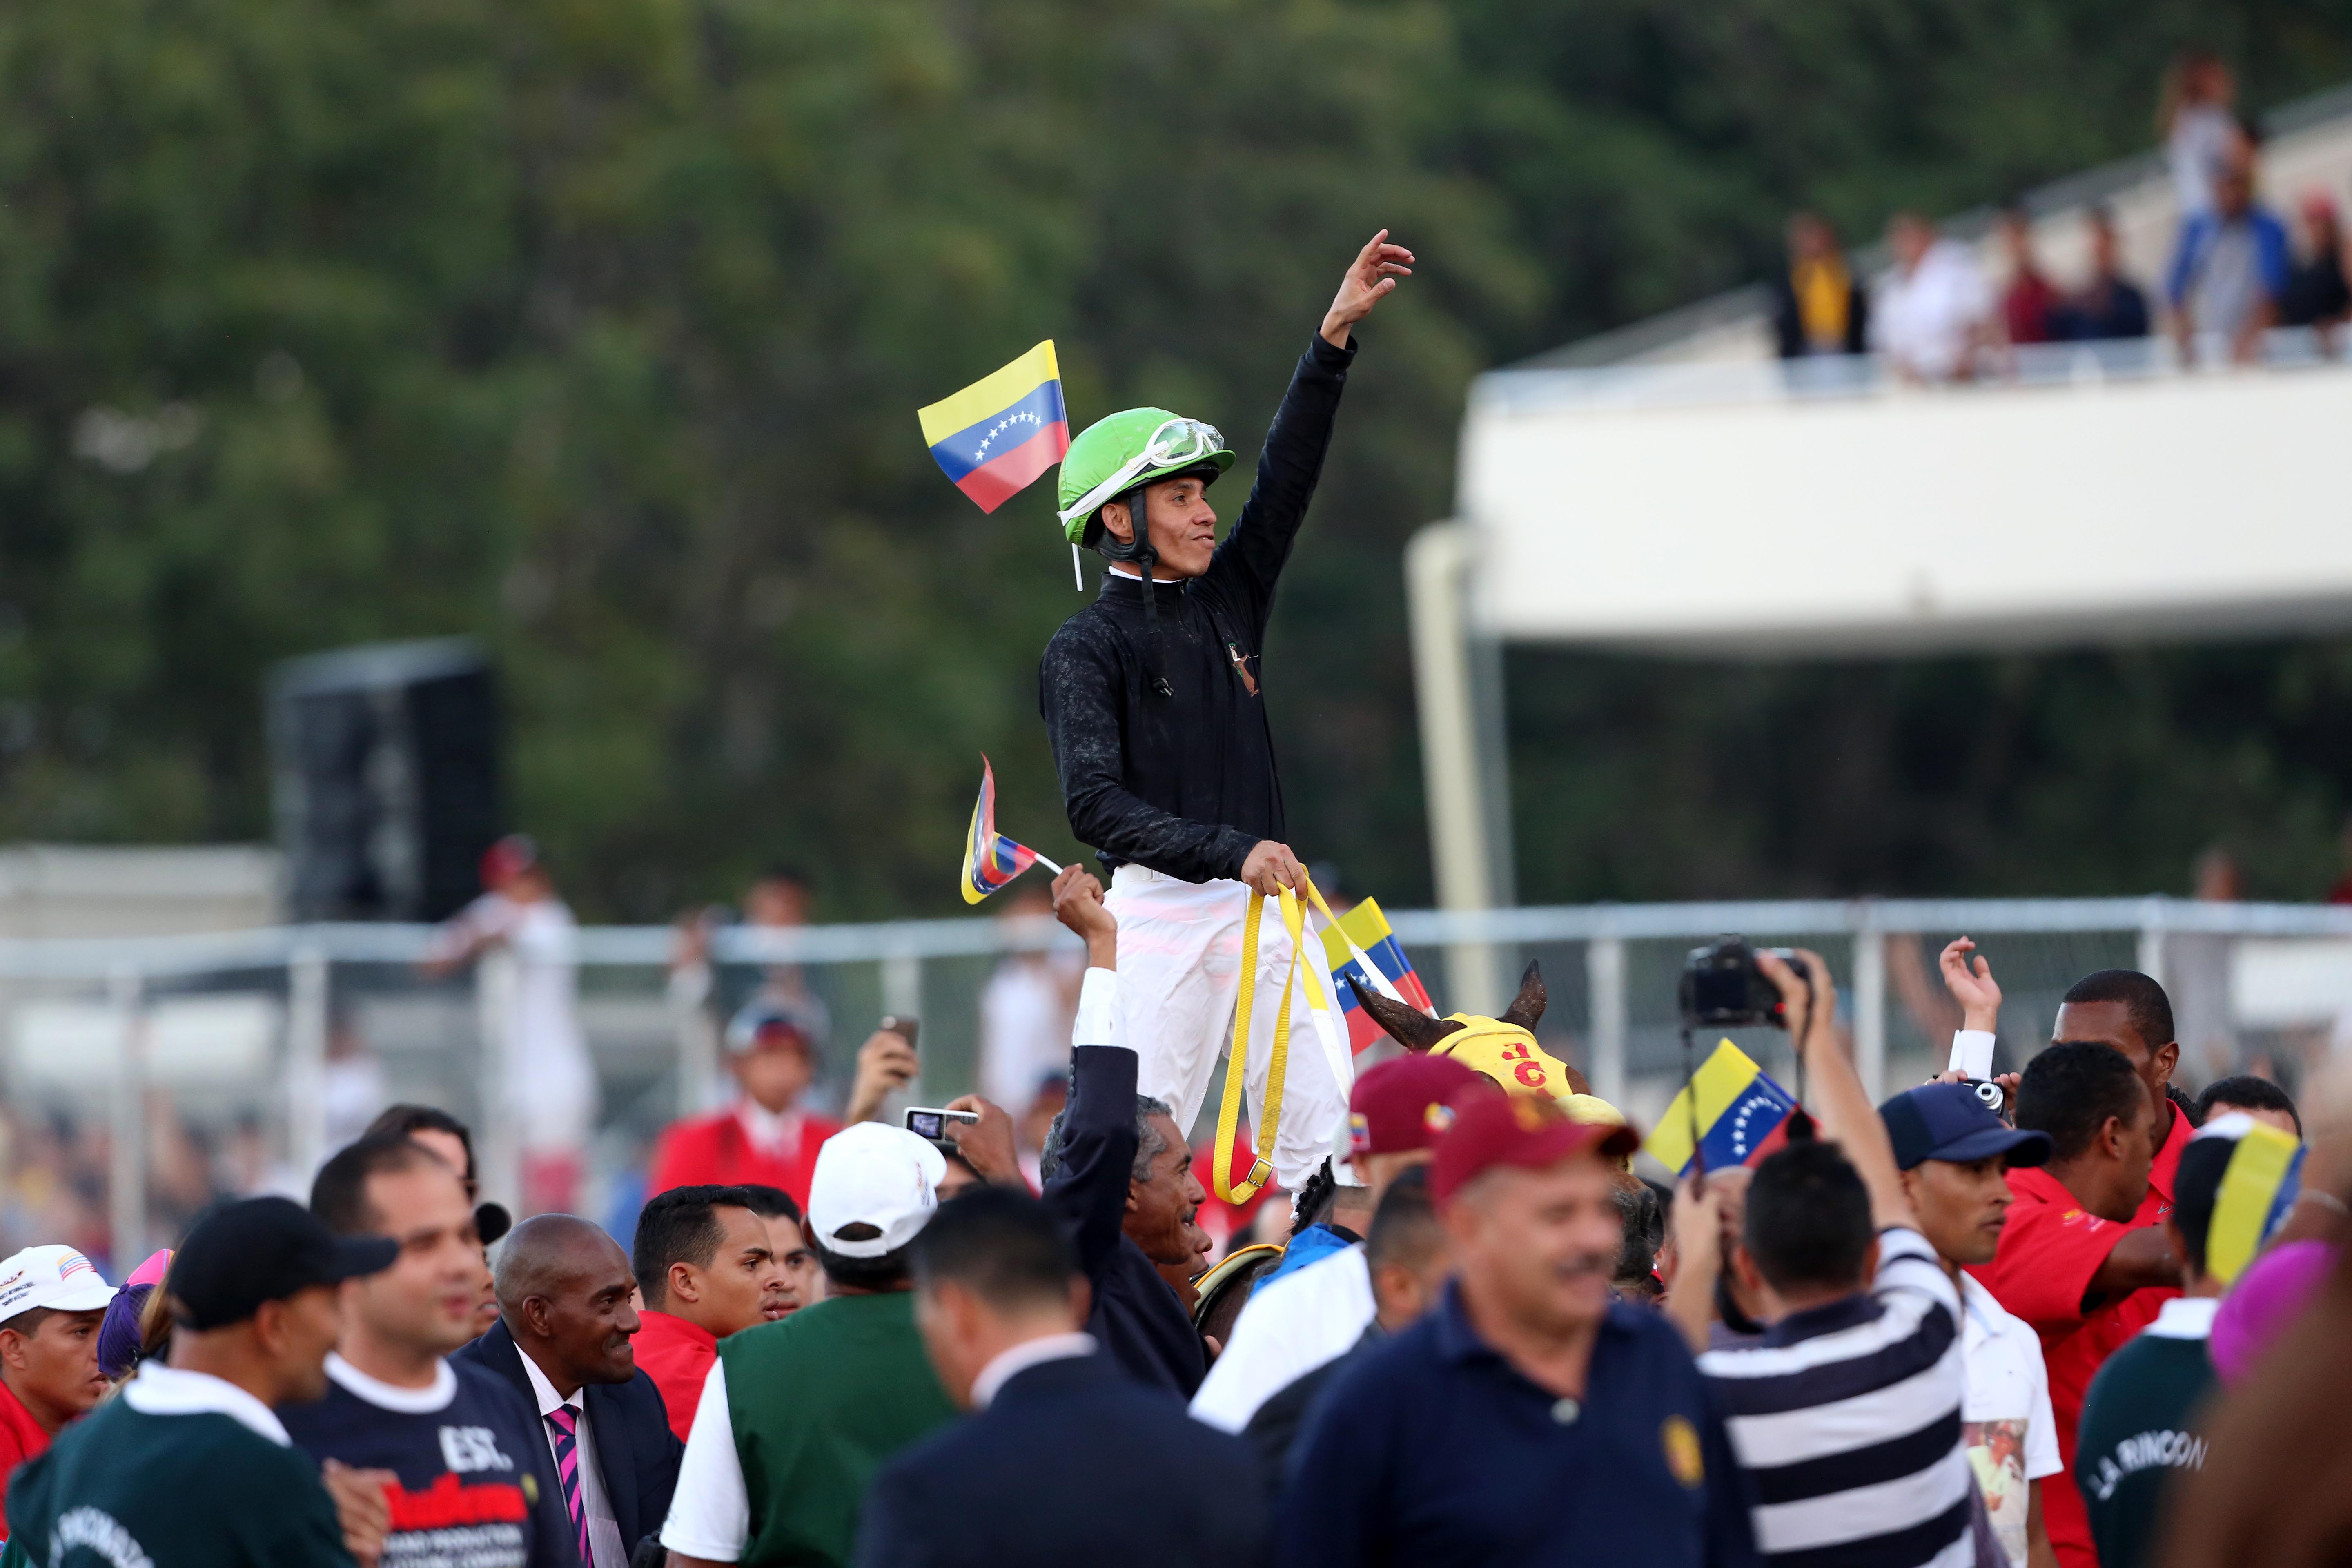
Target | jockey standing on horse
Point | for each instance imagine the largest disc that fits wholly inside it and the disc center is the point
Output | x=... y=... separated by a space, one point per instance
x=1151 y=698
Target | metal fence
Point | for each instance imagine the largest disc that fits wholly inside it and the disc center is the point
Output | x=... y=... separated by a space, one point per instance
x=145 y=1076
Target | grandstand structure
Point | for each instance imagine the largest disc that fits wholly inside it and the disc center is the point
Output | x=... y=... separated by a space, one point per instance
x=1672 y=488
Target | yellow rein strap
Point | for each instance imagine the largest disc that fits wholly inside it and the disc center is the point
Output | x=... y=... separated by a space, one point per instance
x=1294 y=920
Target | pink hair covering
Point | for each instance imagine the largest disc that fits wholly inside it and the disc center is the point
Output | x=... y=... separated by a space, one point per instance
x=149 y=1272
x=2268 y=1297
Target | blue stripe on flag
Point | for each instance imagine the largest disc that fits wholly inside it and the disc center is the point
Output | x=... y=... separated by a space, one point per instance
x=1746 y=1123
x=975 y=445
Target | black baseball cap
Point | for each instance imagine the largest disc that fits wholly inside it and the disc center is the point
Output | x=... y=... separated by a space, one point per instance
x=1948 y=1121
x=263 y=1249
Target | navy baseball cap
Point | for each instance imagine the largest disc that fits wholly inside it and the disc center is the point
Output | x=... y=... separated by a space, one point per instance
x=1948 y=1121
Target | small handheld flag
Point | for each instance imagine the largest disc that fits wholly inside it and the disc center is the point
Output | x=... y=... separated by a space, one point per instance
x=990 y=860
x=2258 y=1187
x=997 y=436
x=1368 y=930
x=1740 y=1113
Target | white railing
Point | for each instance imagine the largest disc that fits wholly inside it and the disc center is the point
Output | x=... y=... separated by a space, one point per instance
x=1682 y=383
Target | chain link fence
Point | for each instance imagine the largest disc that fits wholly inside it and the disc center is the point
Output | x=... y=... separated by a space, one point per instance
x=145 y=1078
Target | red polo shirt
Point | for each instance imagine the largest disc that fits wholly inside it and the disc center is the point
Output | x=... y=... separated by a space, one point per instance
x=2049 y=1250
x=21 y=1438
x=718 y=1149
x=677 y=1356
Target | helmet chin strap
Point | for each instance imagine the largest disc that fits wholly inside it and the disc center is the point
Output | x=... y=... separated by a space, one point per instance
x=1138 y=549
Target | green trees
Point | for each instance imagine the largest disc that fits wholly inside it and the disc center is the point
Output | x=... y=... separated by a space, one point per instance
x=595 y=328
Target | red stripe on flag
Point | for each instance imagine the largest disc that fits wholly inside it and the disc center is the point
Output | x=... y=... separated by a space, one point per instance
x=1772 y=1145
x=1001 y=477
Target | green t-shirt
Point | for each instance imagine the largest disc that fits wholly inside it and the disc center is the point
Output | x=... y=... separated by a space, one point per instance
x=122 y=1488
x=2139 y=1427
x=818 y=1402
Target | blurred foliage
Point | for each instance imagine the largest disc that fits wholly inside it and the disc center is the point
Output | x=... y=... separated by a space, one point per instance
x=595 y=328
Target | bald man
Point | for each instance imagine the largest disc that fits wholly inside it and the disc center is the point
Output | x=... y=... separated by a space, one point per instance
x=563 y=1339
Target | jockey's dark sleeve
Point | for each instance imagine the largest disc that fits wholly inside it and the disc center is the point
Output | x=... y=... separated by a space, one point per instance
x=1186 y=784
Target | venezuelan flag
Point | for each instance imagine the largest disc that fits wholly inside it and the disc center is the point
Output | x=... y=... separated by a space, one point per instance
x=998 y=434
x=991 y=859
x=1370 y=930
x=1742 y=1115
x=2258 y=1187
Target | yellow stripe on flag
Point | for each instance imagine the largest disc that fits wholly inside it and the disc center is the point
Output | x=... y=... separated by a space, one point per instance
x=1364 y=925
x=1720 y=1081
x=2242 y=1209
x=990 y=395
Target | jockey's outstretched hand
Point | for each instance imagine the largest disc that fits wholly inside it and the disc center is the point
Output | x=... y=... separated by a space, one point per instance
x=1370 y=278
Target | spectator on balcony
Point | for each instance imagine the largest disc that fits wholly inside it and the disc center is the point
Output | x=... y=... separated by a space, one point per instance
x=1934 y=311
x=2027 y=304
x=2111 y=305
x=2231 y=267
x=1818 y=306
x=2316 y=295
x=2197 y=121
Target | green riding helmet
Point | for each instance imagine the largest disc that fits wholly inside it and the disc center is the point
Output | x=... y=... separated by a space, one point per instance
x=1139 y=446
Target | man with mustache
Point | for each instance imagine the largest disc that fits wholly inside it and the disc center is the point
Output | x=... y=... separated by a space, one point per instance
x=1530 y=1418
x=1118 y=1176
x=563 y=1341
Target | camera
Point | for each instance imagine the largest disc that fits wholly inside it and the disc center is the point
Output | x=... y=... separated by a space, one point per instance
x=1723 y=989
x=925 y=1122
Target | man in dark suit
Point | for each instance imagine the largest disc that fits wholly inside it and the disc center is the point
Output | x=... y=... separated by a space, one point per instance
x=1064 y=1458
x=563 y=1340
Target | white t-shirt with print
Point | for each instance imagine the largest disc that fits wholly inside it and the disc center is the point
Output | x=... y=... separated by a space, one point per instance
x=2012 y=1439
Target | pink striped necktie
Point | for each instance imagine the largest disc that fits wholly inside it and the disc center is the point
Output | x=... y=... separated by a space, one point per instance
x=566 y=1422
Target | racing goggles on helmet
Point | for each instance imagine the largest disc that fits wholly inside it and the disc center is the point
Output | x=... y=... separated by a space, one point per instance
x=1176 y=444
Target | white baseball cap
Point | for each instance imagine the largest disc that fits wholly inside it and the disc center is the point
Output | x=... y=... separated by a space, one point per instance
x=55 y=1277
x=874 y=1173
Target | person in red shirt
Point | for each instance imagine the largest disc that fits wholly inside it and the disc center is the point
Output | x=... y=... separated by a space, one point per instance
x=2026 y=304
x=52 y=1301
x=766 y=1137
x=2083 y=1255
x=706 y=1266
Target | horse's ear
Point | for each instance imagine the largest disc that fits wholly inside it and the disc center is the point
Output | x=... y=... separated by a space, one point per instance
x=1529 y=1004
x=1409 y=1026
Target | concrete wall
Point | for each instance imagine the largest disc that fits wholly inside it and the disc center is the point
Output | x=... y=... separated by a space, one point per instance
x=1903 y=520
x=93 y=890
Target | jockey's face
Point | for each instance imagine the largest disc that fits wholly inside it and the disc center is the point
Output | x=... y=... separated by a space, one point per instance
x=1183 y=526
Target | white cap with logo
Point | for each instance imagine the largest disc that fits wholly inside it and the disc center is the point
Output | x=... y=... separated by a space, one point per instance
x=57 y=1277
x=873 y=1174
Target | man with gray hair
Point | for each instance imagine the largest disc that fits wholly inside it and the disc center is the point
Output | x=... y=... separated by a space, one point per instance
x=1118 y=1174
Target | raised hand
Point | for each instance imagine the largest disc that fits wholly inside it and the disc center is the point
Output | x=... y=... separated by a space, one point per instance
x=1078 y=904
x=886 y=1064
x=1369 y=280
x=1976 y=991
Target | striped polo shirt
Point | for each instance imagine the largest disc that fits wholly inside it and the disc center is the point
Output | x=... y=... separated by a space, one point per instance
x=1847 y=1419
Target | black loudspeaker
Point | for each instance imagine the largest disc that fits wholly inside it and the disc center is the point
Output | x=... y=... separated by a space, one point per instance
x=385 y=779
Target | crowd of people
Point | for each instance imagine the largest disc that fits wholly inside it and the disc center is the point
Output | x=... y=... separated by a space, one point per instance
x=2235 y=269
x=1962 y=1327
